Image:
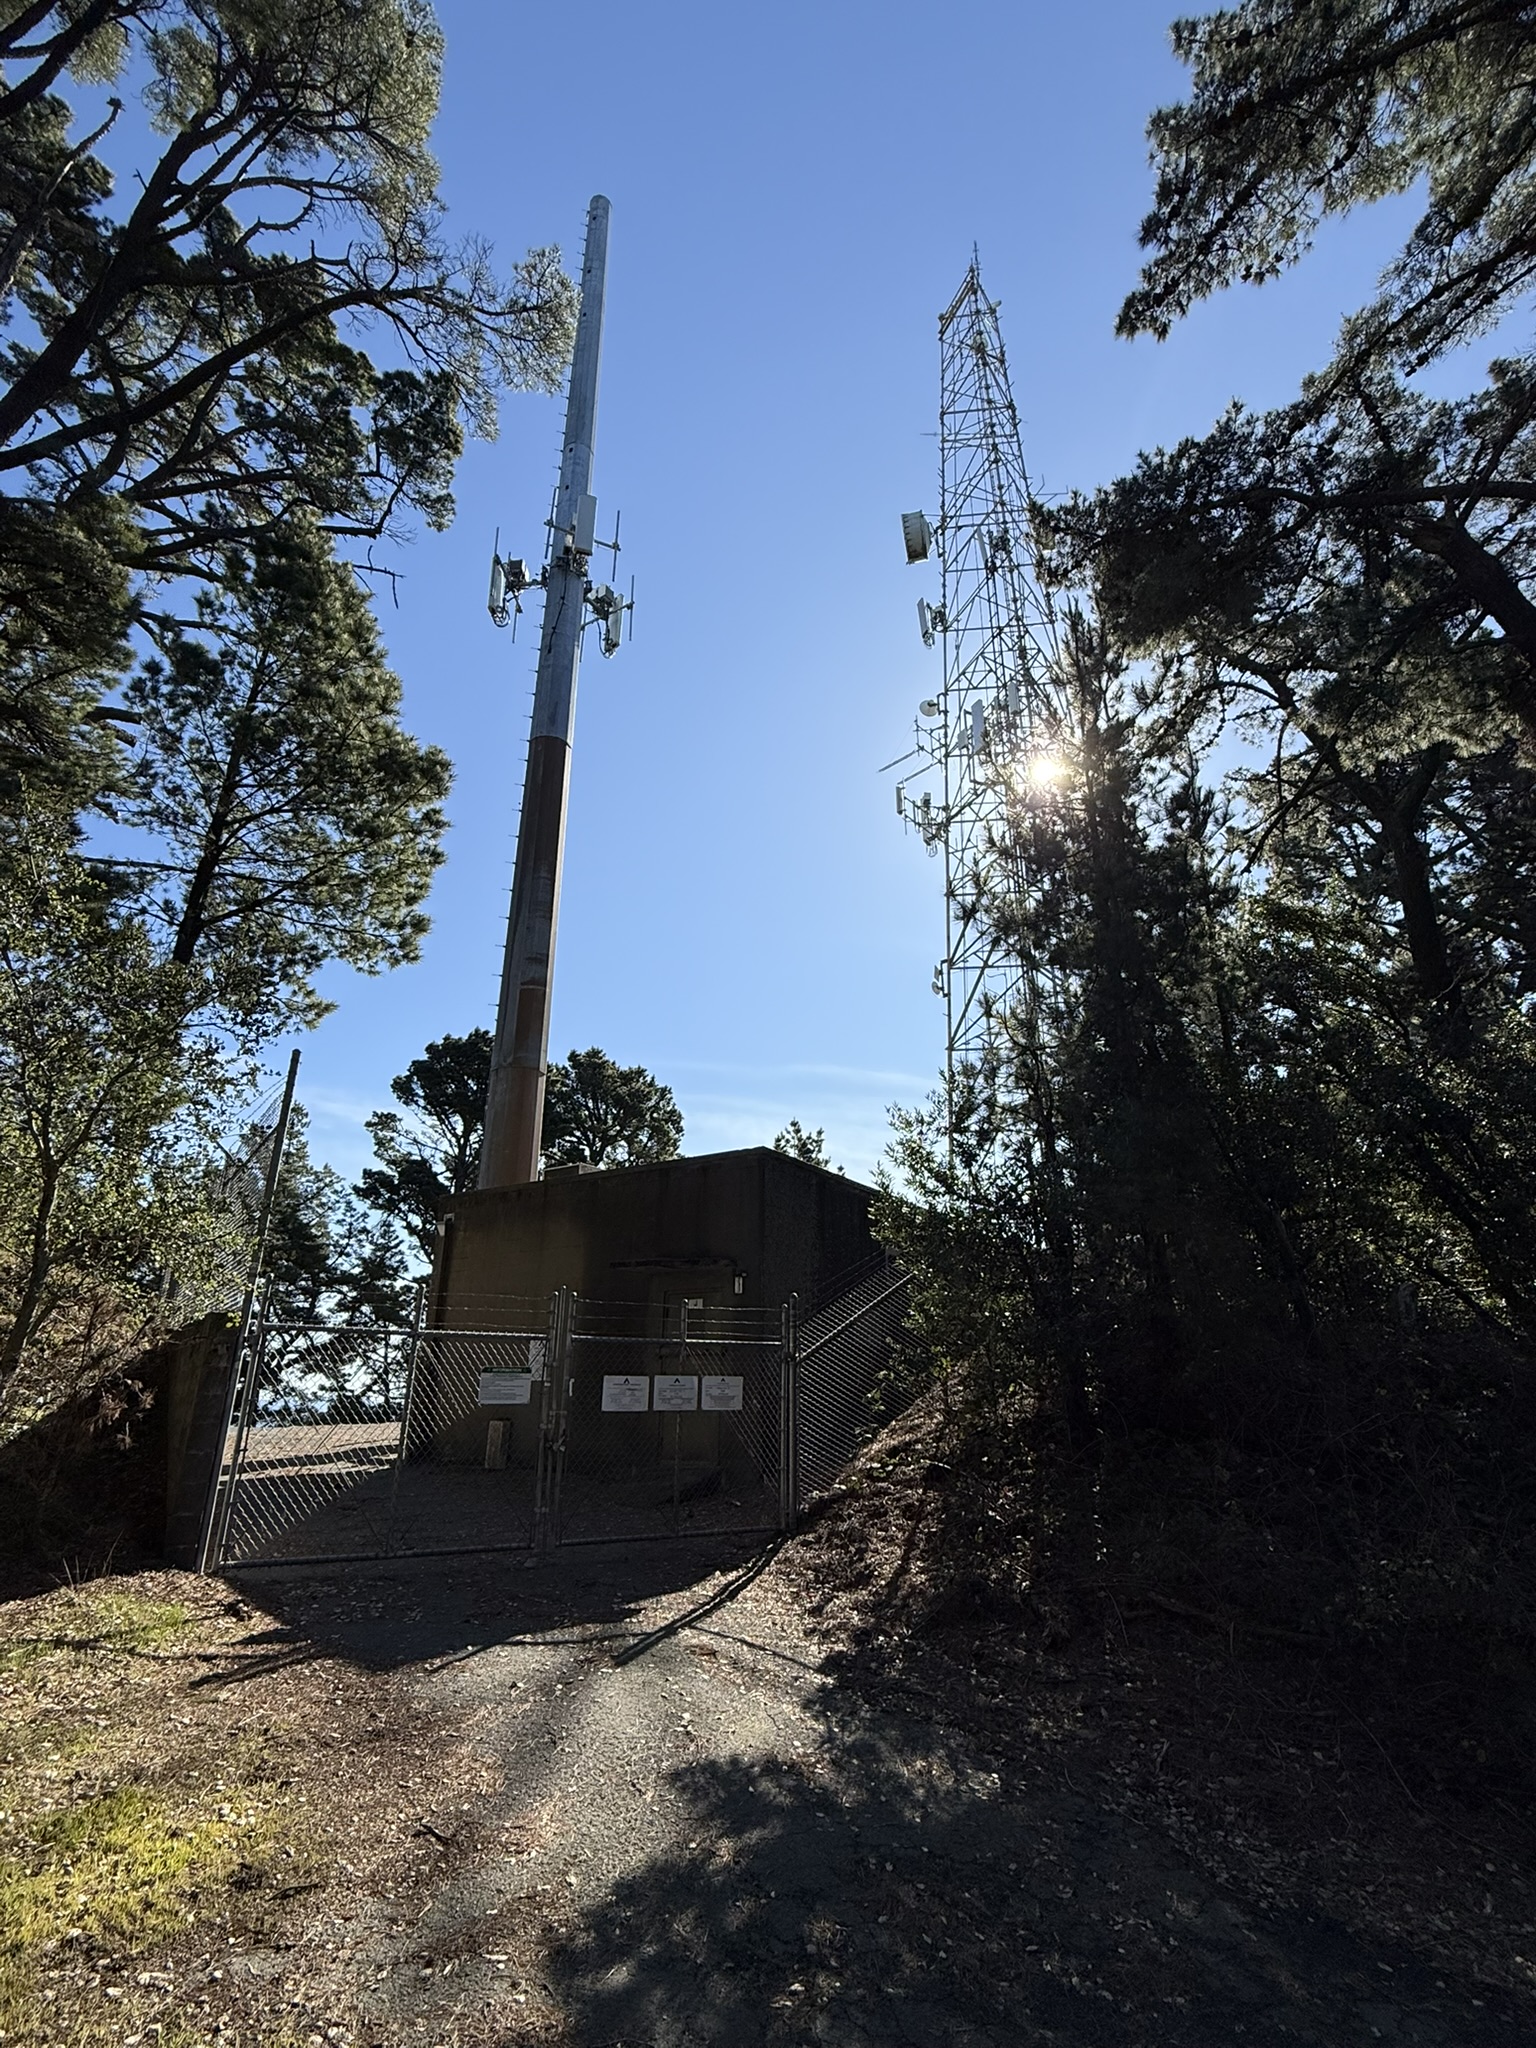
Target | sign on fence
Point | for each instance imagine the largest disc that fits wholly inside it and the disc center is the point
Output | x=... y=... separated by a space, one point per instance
x=505 y=1389
x=676 y=1392
x=626 y=1392
x=721 y=1391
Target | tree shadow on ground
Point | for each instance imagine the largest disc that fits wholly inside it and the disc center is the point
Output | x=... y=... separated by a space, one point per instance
x=875 y=1895
x=886 y=1885
x=399 y=1612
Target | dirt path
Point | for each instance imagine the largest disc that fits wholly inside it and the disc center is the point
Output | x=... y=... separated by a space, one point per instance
x=645 y=1799
x=646 y=1817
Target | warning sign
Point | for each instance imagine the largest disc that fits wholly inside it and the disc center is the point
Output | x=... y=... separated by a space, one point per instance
x=505 y=1389
x=721 y=1390
x=676 y=1392
x=626 y=1392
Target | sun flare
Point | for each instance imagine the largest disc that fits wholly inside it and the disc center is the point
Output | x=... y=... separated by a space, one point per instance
x=1040 y=773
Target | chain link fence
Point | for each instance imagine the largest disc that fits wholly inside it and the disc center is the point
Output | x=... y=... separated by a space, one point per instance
x=675 y=1432
x=573 y=1422
x=375 y=1442
x=856 y=1368
x=216 y=1274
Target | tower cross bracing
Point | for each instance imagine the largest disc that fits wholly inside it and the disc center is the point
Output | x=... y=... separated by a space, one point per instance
x=998 y=715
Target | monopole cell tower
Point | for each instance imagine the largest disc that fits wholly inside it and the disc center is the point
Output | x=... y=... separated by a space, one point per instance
x=514 y=1107
x=991 y=737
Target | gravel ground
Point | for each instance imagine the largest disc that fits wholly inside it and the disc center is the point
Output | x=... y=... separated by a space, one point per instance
x=666 y=1825
x=649 y=1798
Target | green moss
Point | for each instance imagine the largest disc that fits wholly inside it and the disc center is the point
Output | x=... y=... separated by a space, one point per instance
x=122 y=1869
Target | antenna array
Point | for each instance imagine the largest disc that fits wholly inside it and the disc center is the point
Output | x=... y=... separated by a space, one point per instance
x=990 y=739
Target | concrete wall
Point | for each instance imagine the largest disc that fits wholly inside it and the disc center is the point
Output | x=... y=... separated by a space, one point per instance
x=642 y=1239
x=200 y=1364
x=651 y=1235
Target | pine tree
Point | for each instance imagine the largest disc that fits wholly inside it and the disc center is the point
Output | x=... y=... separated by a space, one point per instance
x=597 y=1113
x=1304 y=108
x=295 y=822
x=429 y=1148
x=185 y=367
x=799 y=1143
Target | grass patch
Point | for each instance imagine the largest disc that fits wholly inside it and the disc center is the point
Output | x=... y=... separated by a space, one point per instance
x=114 y=1622
x=124 y=1622
x=17 y=1655
x=118 y=1868
x=122 y=1870
x=125 y=1820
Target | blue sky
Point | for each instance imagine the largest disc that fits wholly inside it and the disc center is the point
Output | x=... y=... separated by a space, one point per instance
x=795 y=195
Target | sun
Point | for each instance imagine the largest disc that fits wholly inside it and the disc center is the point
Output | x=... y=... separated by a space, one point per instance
x=1040 y=773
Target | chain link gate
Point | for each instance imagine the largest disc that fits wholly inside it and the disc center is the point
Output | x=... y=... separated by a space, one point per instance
x=364 y=1441
x=581 y=1425
x=578 y=1422
x=681 y=1431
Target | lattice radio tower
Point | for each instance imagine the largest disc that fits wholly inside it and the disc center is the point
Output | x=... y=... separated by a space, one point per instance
x=990 y=739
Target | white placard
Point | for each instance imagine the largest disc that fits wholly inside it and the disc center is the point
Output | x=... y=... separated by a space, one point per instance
x=627 y=1392
x=676 y=1392
x=505 y=1389
x=537 y=1347
x=720 y=1390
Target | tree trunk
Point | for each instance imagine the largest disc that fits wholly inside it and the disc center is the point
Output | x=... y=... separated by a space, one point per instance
x=193 y=921
x=1484 y=577
x=47 y=374
x=30 y=1300
x=1422 y=925
x=1294 y=1278
x=60 y=50
x=1397 y=812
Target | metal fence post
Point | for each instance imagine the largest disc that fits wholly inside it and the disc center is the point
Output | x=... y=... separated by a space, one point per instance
x=677 y=1420
x=540 y=1532
x=407 y=1398
x=412 y=1358
x=789 y=1435
x=565 y=1388
x=210 y=1548
x=244 y=1396
x=552 y=1420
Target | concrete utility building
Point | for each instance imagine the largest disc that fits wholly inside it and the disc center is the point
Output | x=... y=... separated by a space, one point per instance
x=725 y=1230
